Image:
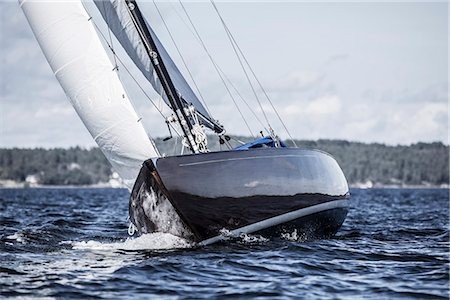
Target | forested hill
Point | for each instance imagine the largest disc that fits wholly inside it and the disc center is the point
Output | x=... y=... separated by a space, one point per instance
x=424 y=164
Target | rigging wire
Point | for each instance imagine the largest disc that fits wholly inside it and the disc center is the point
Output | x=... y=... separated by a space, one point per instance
x=236 y=45
x=116 y=67
x=215 y=66
x=242 y=65
x=131 y=75
x=223 y=73
x=243 y=100
x=182 y=58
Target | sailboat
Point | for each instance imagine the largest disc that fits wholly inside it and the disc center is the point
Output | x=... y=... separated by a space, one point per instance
x=262 y=187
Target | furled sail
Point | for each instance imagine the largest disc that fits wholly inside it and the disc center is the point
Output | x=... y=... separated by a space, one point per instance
x=116 y=15
x=74 y=51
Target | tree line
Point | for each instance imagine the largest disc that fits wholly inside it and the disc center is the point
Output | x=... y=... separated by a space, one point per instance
x=417 y=164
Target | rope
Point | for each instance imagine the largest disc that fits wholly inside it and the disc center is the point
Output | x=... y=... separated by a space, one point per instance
x=200 y=137
x=131 y=229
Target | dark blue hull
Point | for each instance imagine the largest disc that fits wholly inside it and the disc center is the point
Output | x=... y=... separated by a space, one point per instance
x=255 y=190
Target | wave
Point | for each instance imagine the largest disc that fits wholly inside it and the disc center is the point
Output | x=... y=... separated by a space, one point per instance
x=149 y=241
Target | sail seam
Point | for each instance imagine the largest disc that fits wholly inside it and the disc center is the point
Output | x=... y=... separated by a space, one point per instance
x=68 y=64
x=109 y=128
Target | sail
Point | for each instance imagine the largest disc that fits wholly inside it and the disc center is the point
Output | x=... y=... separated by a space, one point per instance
x=74 y=51
x=116 y=15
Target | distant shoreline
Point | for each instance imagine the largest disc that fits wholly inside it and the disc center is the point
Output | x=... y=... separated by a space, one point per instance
x=10 y=184
x=422 y=165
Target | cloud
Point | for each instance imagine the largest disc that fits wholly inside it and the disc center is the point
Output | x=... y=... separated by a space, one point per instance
x=434 y=93
x=325 y=105
x=399 y=117
x=322 y=106
x=389 y=116
x=32 y=124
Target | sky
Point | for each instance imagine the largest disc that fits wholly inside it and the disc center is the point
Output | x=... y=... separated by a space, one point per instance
x=368 y=72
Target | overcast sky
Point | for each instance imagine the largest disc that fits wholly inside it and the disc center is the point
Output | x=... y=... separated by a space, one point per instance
x=370 y=72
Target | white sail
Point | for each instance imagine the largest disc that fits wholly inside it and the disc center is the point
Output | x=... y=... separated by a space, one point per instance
x=74 y=51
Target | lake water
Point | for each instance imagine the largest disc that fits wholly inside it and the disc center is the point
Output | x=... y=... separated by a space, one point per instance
x=72 y=243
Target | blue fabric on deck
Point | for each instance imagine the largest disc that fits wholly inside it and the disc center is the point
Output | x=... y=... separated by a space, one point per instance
x=264 y=142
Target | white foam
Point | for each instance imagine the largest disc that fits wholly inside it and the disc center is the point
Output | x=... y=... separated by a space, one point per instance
x=244 y=238
x=17 y=237
x=150 y=241
x=252 y=239
x=294 y=236
x=226 y=234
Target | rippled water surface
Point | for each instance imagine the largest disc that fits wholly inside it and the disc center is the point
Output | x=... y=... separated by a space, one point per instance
x=72 y=243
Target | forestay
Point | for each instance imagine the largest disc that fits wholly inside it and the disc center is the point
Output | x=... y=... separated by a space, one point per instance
x=74 y=51
x=116 y=15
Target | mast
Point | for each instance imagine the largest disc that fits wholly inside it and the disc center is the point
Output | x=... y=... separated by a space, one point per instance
x=174 y=98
